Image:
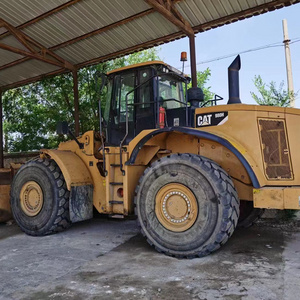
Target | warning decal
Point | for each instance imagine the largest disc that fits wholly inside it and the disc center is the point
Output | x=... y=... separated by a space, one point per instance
x=211 y=119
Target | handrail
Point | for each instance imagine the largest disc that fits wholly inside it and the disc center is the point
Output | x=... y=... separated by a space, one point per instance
x=150 y=102
x=100 y=122
x=140 y=103
x=213 y=101
x=126 y=132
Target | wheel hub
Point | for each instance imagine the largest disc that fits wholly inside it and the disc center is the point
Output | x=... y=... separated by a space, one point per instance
x=176 y=207
x=31 y=198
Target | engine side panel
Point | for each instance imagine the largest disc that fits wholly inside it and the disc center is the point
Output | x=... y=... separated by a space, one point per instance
x=269 y=135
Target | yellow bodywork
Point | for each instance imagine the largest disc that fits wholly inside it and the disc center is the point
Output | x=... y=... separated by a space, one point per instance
x=277 y=198
x=74 y=170
x=5 y=212
x=242 y=131
x=6 y=176
x=114 y=193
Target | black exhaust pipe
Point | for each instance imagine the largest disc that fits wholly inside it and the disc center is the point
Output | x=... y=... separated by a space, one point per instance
x=233 y=81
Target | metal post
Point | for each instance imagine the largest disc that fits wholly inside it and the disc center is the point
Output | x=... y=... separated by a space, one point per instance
x=288 y=62
x=1 y=133
x=76 y=103
x=193 y=60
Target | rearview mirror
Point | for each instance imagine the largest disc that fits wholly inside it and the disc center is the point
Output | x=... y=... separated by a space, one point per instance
x=62 y=127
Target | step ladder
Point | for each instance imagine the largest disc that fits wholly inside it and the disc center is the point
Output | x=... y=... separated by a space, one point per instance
x=114 y=183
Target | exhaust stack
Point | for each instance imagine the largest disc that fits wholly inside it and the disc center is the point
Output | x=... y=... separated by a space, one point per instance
x=233 y=81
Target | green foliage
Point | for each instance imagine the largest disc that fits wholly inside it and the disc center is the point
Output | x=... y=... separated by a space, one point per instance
x=31 y=112
x=142 y=56
x=202 y=80
x=270 y=94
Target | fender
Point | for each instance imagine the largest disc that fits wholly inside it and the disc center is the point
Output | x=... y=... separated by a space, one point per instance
x=198 y=134
x=73 y=168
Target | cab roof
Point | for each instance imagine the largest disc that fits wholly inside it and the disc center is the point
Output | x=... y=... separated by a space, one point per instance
x=139 y=65
x=149 y=63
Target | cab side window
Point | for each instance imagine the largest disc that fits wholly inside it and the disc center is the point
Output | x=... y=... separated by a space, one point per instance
x=123 y=85
x=144 y=91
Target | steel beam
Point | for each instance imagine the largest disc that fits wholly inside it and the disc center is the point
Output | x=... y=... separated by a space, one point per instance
x=42 y=16
x=76 y=102
x=263 y=8
x=193 y=60
x=32 y=55
x=84 y=36
x=1 y=133
x=97 y=60
x=34 y=49
x=169 y=11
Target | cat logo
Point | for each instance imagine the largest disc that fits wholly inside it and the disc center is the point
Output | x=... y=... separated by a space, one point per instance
x=204 y=120
x=211 y=119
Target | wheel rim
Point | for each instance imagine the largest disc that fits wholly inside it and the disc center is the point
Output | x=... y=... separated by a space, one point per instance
x=176 y=207
x=31 y=198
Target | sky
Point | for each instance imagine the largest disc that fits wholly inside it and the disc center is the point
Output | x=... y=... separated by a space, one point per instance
x=240 y=36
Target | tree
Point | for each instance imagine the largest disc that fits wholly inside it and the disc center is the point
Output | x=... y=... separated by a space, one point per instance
x=202 y=80
x=31 y=112
x=270 y=94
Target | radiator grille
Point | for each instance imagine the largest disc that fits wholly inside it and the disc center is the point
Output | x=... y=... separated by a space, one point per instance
x=275 y=149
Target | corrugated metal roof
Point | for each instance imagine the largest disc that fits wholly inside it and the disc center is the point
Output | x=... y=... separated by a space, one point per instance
x=20 y=72
x=84 y=32
x=82 y=17
x=136 y=32
x=18 y=12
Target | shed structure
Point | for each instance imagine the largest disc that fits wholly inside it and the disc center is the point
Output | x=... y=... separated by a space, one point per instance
x=40 y=38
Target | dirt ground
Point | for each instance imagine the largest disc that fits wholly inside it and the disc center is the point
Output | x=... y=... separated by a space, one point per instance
x=109 y=259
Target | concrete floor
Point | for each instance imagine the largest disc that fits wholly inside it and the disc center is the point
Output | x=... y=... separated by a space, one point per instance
x=109 y=259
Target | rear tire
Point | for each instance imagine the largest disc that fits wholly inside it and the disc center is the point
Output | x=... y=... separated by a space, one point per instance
x=248 y=214
x=186 y=205
x=40 y=199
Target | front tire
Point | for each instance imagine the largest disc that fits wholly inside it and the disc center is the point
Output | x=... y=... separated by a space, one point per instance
x=186 y=205
x=40 y=199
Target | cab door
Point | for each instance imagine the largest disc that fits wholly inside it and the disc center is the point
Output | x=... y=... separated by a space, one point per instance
x=145 y=108
x=124 y=84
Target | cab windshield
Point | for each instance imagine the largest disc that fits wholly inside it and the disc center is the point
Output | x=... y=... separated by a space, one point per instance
x=170 y=92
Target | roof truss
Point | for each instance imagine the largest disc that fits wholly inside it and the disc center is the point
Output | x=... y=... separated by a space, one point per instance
x=170 y=12
x=33 y=49
x=30 y=49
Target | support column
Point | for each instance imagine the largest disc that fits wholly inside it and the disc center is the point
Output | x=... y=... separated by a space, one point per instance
x=76 y=102
x=1 y=133
x=169 y=10
x=288 y=63
x=193 y=60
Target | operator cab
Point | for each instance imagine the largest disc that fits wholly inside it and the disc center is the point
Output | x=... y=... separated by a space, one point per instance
x=151 y=88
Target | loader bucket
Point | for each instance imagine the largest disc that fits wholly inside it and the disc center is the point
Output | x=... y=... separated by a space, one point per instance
x=5 y=179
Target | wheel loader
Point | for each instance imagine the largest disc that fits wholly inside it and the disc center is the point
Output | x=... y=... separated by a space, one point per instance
x=185 y=167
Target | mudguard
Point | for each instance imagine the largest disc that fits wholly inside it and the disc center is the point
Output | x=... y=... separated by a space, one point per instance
x=73 y=168
x=79 y=183
x=81 y=203
x=198 y=134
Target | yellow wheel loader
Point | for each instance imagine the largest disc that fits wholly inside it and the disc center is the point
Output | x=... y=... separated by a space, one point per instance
x=185 y=169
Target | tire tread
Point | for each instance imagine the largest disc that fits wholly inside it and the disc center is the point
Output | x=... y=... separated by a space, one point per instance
x=231 y=212
x=62 y=220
